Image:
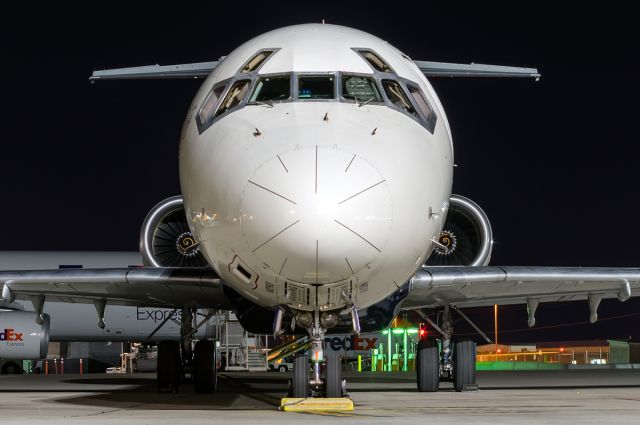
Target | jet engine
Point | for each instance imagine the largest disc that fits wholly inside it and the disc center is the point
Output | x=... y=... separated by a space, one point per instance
x=21 y=337
x=466 y=238
x=165 y=238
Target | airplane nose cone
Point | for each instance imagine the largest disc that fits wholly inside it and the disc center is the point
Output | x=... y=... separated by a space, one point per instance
x=316 y=214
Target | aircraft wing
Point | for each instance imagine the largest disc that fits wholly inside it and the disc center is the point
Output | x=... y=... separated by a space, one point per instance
x=187 y=70
x=203 y=69
x=142 y=286
x=444 y=69
x=488 y=285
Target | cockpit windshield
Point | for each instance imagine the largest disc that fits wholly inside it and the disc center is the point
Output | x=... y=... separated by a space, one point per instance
x=361 y=89
x=255 y=62
x=375 y=61
x=316 y=87
x=236 y=94
x=208 y=108
x=269 y=89
x=397 y=96
x=424 y=106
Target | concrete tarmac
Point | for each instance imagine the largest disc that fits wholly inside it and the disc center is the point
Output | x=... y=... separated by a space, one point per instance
x=532 y=397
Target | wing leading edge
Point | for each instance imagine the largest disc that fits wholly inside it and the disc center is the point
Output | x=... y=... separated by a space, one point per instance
x=203 y=69
x=143 y=286
x=187 y=70
x=444 y=69
x=488 y=285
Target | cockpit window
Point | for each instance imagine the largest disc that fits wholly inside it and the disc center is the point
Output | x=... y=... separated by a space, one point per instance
x=269 y=89
x=375 y=61
x=361 y=89
x=205 y=114
x=236 y=94
x=424 y=106
x=316 y=87
x=397 y=96
x=255 y=62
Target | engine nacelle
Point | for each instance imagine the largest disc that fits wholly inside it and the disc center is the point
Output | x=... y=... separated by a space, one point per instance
x=21 y=337
x=166 y=240
x=466 y=238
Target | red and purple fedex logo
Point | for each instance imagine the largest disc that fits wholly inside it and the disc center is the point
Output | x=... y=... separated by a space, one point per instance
x=11 y=335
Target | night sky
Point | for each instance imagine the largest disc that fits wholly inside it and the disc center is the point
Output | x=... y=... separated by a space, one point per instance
x=553 y=163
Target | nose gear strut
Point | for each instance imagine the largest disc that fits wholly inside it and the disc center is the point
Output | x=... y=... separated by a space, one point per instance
x=323 y=382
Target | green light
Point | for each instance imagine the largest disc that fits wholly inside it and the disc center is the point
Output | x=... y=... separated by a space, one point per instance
x=412 y=330
x=386 y=331
x=398 y=331
x=405 y=351
x=389 y=352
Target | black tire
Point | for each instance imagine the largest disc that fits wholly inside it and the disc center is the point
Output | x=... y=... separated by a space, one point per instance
x=169 y=367
x=205 y=376
x=428 y=366
x=300 y=384
x=283 y=369
x=464 y=366
x=11 y=368
x=333 y=380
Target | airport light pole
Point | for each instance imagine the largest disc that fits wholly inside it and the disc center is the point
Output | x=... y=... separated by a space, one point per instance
x=495 y=325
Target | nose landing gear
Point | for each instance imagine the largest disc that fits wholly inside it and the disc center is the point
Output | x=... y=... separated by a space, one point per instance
x=328 y=384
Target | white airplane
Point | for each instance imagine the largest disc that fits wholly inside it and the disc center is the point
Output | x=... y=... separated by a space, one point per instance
x=316 y=166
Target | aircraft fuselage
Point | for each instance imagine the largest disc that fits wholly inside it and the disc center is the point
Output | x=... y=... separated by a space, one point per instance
x=320 y=199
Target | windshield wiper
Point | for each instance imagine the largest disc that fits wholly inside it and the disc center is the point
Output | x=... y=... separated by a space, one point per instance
x=262 y=103
x=366 y=103
x=360 y=105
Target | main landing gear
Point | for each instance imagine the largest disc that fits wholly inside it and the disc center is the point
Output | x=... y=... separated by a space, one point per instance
x=446 y=361
x=176 y=360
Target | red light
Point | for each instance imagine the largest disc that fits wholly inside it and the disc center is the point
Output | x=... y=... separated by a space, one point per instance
x=561 y=349
x=422 y=332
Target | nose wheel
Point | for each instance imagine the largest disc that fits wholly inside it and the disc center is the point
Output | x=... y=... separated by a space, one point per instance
x=333 y=386
x=333 y=379
x=325 y=377
x=300 y=384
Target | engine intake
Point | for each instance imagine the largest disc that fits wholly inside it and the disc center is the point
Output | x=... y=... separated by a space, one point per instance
x=165 y=238
x=466 y=238
x=21 y=337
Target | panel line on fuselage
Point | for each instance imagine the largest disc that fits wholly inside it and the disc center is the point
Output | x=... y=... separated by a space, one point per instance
x=361 y=192
x=271 y=191
x=358 y=235
x=275 y=236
